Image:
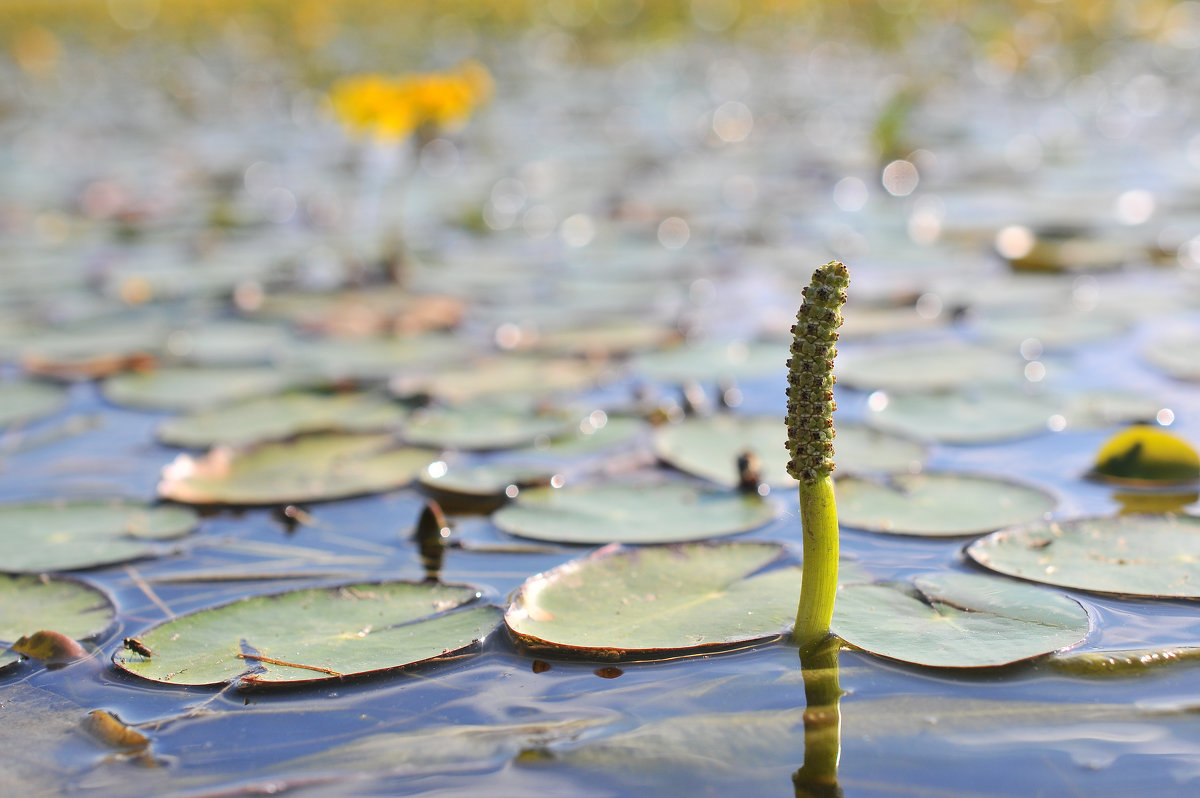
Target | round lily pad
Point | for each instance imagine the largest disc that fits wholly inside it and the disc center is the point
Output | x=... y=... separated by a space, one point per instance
x=85 y=351
x=636 y=603
x=26 y=400
x=952 y=620
x=937 y=504
x=657 y=512
x=277 y=417
x=32 y=603
x=1176 y=354
x=870 y=322
x=64 y=536
x=608 y=339
x=1146 y=456
x=983 y=416
x=310 y=468
x=483 y=426
x=380 y=309
x=375 y=359
x=1136 y=555
x=504 y=376
x=313 y=635
x=228 y=343
x=1055 y=329
x=186 y=388
x=710 y=362
x=1100 y=409
x=930 y=367
x=481 y=487
x=709 y=447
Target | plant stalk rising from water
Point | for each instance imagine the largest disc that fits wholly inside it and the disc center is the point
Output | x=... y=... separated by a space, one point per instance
x=810 y=443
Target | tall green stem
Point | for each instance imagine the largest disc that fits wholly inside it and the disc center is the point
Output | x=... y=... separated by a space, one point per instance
x=810 y=443
x=818 y=586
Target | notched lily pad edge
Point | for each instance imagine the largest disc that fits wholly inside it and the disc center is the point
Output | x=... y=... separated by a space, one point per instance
x=244 y=684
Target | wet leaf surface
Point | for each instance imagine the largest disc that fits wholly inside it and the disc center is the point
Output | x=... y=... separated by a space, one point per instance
x=312 y=635
x=67 y=535
x=622 y=603
x=938 y=504
x=1139 y=555
x=29 y=604
x=311 y=468
x=656 y=512
x=952 y=620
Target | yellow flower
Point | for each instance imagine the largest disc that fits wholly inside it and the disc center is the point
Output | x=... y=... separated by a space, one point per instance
x=394 y=107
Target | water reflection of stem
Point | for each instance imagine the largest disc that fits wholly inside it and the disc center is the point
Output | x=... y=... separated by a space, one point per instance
x=817 y=778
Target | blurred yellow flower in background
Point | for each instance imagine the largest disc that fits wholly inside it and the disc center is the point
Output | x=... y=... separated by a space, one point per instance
x=393 y=108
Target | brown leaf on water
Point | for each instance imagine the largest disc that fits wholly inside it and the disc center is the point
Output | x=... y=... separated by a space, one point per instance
x=50 y=646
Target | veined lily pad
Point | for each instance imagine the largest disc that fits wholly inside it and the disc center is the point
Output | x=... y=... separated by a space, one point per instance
x=709 y=448
x=483 y=426
x=657 y=512
x=622 y=603
x=935 y=367
x=501 y=376
x=991 y=415
x=1136 y=555
x=310 y=468
x=313 y=635
x=63 y=536
x=710 y=362
x=182 y=388
x=277 y=417
x=1176 y=354
x=938 y=504
x=952 y=620
x=31 y=603
x=26 y=400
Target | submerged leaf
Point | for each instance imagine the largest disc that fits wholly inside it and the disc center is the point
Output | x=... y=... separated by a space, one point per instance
x=63 y=536
x=313 y=635
x=658 y=512
x=938 y=504
x=310 y=468
x=1140 y=555
x=953 y=620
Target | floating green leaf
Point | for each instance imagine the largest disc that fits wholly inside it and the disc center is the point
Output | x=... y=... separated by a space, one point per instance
x=481 y=487
x=64 y=536
x=310 y=468
x=952 y=620
x=636 y=603
x=930 y=367
x=1101 y=409
x=938 y=504
x=977 y=417
x=313 y=635
x=228 y=343
x=1176 y=354
x=657 y=512
x=186 y=388
x=710 y=362
x=504 y=376
x=271 y=418
x=375 y=359
x=1053 y=329
x=1137 y=555
x=709 y=447
x=26 y=400
x=32 y=603
x=379 y=309
x=484 y=426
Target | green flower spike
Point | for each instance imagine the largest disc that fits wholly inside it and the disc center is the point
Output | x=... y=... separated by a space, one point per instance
x=810 y=443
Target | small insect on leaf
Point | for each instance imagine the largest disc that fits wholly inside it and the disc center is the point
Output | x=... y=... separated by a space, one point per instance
x=138 y=647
